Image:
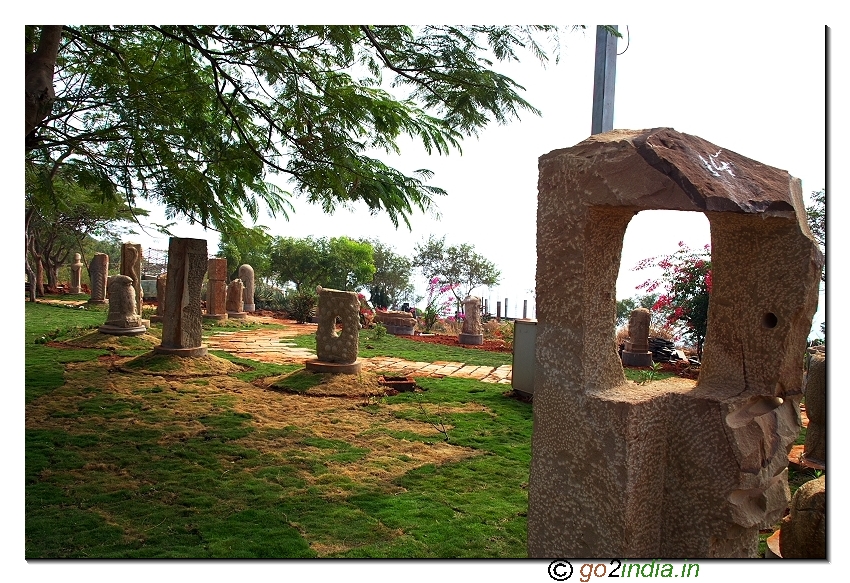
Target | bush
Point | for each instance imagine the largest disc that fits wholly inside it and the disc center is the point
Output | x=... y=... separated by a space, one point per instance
x=302 y=305
x=267 y=297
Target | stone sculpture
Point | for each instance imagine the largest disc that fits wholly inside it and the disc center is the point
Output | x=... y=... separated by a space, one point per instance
x=161 y=282
x=122 y=319
x=672 y=468
x=472 y=330
x=131 y=266
x=76 y=269
x=336 y=350
x=396 y=322
x=216 y=289
x=235 y=304
x=246 y=274
x=98 y=273
x=182 y=319
x=814 y=450
x=637 y=351
x=803 y=532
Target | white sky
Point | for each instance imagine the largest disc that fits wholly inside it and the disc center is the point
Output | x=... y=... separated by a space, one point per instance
x=762 y=98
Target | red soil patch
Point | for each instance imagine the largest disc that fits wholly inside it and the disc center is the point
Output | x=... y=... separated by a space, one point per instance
x=491 y=345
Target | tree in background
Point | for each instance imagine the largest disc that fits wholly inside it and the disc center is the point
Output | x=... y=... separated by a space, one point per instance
x=816 y=215
x=337 y=263
x=457 y=266
x=685 y=285
x=197 y=117
x=391 y=283
x=626 y=306
x=248 y=245
x=350 y=264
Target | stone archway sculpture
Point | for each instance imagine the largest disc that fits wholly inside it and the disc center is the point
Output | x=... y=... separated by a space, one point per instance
x=671 y=468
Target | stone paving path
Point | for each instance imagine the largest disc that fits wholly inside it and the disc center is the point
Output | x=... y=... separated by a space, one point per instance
x=266 y=346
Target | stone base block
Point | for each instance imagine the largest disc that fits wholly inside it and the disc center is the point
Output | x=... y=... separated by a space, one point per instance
x=400 y=330
x=156 y=319
x=237 y=315
x=249 y=308
x=119 y=331
x=473 y=339
x=637 y=358
x=184 y=352
x=215 y=316
x=316 y=365
x=146 y=323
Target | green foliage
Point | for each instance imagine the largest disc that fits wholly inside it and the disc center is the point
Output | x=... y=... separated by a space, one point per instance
x=302 y=305
x=378 y=332
x=195 y=117
x=335 y=263
x=816 y=215
x=247 y=245
x=391 y=283
x=686 y=281
x=626 y=306
x=457 y=266
x=267 y=297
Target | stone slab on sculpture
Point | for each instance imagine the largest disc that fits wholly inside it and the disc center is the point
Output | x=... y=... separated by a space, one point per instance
x=98 y=273
x=336 y=350
x=472 y=331
x=235 y=297
x=161 y=283
x=396 y=322
x=131 y=266
x=122 y=319
x=815 y=446
x=182 y=319
x=76 y=270
x=803 y=531
x=216 y=289
x=671 y=468
x=246 y=274
x=636 y=352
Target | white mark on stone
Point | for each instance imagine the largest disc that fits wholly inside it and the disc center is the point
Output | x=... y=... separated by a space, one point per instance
x=716 y=166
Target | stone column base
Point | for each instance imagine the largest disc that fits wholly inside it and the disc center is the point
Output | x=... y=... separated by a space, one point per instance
x=400 y=330
x=637 y=358
x=473 y=339
x=156 y=319
x=249 y=308
x=316 y=365
x=184 y=352
x=215 y=316
x=237 y=315
x=119 y=331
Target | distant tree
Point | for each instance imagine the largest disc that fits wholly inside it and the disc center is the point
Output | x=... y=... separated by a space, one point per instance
x=686 y=286
x=299 y=261
x=458 y=266
x=816 y=215
x=626 y=306
x=249 y=245
x=349 y=264
x=391 y=283
x=337 y=263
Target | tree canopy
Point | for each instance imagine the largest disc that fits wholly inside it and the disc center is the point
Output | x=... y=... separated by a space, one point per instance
x=337 y=263
x=198 y=117
x=816 y=215
x=457 y=266
x=391 y=283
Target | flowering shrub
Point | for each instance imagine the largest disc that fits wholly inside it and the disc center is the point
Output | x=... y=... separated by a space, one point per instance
x=367 y=314
x=438 y=302
x=685 y=285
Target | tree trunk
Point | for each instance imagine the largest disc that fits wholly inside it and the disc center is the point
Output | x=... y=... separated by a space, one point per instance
x=31 y=278
x=39 y=276
x=38 y=82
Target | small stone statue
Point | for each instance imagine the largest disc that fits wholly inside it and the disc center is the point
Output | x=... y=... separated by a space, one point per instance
x=122 y=319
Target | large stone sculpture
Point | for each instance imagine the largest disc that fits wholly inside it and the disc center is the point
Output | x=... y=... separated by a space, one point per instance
x=336 y=350
x=814 y=450
x=670 y=468
x=637 y=352
x=161 y=283
x=235 y=297
x=76 y=269
x=472 y=330
x=246 y=274
x=396 y=322
x=98 y=273
x=803 y=532
x=182 y=319
x=216 y=289
x=122 y=319
x=131 y=266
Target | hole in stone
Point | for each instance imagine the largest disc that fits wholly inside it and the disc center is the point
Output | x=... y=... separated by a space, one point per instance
x=769 y=320
x=650 y=236
x=337 y=327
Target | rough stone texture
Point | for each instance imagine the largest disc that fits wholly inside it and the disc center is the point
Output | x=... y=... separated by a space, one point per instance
x=637 y=352
x=472 y=315
x=161 y=283
x=217 y=286
x=98 y=272
x=246 y=274
x=803 y=532
x=182 y=318
x=76 y=269
x=332 y=345
x=396 y=322
x=122 y=318
x=665 y=469
x=815 y=448
x=235 y=291
x=131 y=266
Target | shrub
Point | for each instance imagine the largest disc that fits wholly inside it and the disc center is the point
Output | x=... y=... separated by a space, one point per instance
x=267 y=297
x=302 y=305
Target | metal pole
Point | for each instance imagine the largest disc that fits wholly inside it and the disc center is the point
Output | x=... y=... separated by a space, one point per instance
x=524 y=309
x=498 y=311
x=603 y=81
